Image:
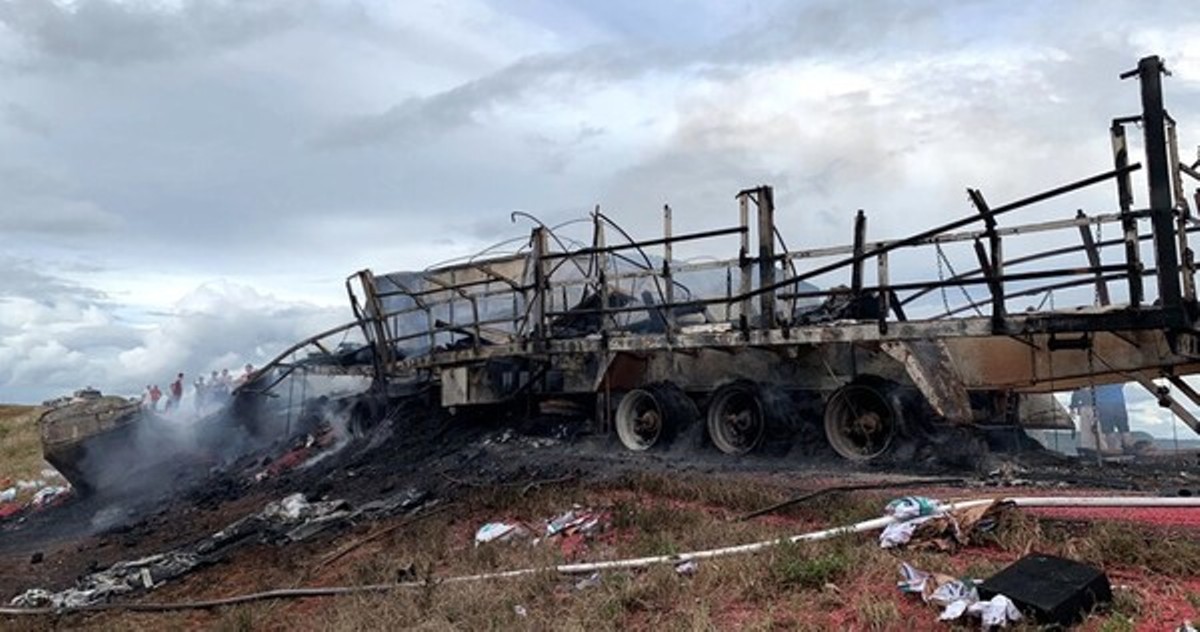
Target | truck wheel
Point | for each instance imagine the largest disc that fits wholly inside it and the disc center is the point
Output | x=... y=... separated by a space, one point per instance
x=650 y=416
x=860 y=422
x=736 y=423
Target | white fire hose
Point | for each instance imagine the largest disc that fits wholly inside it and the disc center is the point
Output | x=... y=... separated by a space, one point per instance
x=640 y=562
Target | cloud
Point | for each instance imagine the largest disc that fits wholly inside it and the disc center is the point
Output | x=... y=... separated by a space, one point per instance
x=113 y=32
x=56 y=336
x=35 y=202
x=22 y=279
x=285 y=144
x=559 y=78
x=24 y=119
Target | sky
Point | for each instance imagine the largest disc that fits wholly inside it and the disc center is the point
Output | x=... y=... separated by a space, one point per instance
x=186 y=184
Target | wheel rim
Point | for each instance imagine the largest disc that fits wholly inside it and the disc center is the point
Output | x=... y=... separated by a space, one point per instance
x=859 y=422
x=639 y=420
x=735 y=420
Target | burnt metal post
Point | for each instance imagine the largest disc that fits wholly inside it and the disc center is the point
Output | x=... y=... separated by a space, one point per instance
x=374 y=312
x=1158 y=176
x=765 y=197
x=1133 y=255
x=1093 y=257
x=994 y=269
x=860 y=239
x=744 y=254
x=1182 y=214
x=885 y=294
x=668 y=311
x=541 y=287
x=599 y=243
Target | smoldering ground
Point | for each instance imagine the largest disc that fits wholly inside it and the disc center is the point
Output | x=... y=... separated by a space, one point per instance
x=161 y=457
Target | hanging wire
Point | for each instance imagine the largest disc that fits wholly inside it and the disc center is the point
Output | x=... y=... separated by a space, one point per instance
x=942 y=259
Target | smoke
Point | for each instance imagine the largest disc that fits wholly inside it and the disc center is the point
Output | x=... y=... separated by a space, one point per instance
x=161 y=454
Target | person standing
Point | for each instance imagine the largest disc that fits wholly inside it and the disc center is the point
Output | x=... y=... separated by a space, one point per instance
x=1113 y=416
x=202 y=393
x=1083 y=404
x=175 y=393
x=226 y=382
x=155 y=395
x=1103 y=418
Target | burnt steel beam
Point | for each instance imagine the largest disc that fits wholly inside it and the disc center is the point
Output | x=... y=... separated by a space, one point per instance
x=969 y=235
x=860 y=237
x=765 y=199
x=1158 y=177
x=279 y=358
x=1133 y=255
x=1166 y=401
x=994 y=270
x=932 y=232
x=898 y=287
x=1189 y=171
x=1037 y=256
x=1038 y=290
x=644 y=244
x=1093 y=256
x=1014 y=277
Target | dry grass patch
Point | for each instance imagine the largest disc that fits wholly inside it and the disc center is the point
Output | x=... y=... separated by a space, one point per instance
x=20 y=444
x=1102 y=543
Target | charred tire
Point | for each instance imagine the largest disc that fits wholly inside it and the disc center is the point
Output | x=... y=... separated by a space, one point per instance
x=735 y=418
x=650 y=417
x=860 y=422
x=364 y=414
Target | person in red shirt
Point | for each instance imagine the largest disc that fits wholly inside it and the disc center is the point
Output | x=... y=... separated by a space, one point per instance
x=155 y=395
x=175 y=394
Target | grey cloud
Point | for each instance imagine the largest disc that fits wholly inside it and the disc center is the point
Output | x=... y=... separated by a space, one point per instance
x=557 y=153
x=422 y=117
x=119 y=33
x=24 y=278
x=35 y=202
x=22 y=118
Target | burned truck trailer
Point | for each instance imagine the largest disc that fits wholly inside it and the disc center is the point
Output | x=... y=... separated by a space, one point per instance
x=644 y=343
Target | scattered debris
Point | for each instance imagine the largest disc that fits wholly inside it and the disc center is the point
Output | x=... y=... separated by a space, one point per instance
x=1052 y=590
x=118 y=579
x=957 y=597
x=577 y=520
x=289 y=519
x=500 y=532
x=8 y=495
x=591 y=581
x=687 y=568
x=521 y=611
x=909 y=507
x=50 y=495
x=932 y=526
x=998 y=611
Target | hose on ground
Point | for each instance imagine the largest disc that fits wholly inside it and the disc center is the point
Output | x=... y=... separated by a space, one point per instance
x=631 y=563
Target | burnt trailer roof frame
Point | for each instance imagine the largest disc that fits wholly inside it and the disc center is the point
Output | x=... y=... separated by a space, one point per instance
x=541 y=303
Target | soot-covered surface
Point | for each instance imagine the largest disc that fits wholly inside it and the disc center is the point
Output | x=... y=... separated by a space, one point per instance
x=420 y=447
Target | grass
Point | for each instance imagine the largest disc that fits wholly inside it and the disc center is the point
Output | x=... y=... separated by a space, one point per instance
x=806 y=566
x=1104 y=544
x=841 y=583
x=879 y=614
x=20 y=444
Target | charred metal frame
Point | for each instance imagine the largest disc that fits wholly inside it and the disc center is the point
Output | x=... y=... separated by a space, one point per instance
x=566 y=305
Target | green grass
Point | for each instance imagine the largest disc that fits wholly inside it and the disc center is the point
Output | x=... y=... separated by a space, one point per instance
x=809 y=567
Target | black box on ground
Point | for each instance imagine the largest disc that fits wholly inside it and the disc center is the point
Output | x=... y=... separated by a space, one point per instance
x=1050 y=589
